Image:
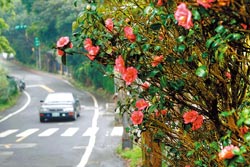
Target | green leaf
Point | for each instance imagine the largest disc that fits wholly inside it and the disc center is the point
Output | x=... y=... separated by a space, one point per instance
x=181 y=48
x=247 y=136
x=240 y=159
x=201 y=71
x=145 y=47
x=155 y=26
x=163 y=81
x=181 y=38
x=190 y=153
x=247 y=121
x=225 y=114
x=197 y=145
x=209 y=42
x=220 y=29
x=196 y=15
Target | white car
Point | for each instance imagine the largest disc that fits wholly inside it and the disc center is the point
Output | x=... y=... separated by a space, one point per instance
x=58 y=106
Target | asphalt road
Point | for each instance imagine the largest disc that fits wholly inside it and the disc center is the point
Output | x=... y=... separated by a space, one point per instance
x=90 y=141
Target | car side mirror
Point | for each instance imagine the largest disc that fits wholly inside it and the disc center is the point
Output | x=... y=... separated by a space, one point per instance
x=41 y=101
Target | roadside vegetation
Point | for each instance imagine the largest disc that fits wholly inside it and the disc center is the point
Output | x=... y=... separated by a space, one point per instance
x=133 y=157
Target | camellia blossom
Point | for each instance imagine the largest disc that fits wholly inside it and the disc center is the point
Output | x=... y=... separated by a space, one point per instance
x=194 y=118
x=183 y=16
x=157 y=60
x=120 y=65
x=60 y=52
x=130 y=75
x=227 y=152
x=141 y=104
x=129 y=34
x=228 y=75
x=87 y=43
x=205 y=3
x=63 y=41
x=197 y=123
x=159 y=3
x=190 y=116
x=137 y=117
x=145 y=85
x=92 y=52
x=109 y=24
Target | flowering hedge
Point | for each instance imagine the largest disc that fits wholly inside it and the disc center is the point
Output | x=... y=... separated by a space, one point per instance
x=186 y=66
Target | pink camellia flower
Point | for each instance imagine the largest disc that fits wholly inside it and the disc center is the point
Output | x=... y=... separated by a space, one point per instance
x=145 y=85
x=197 y=123
x=93 y=50
x=228 y=75
x=190 y=116
x=156 y=60
x=183 y=16
x=120 y=64
x=91 y=57
x=129 y=34
x=60 y=52
x=136 y=117
x=163 y=112
x=109 y=24
x=141 y=104
x=87 y=43
x=159 y=3
x=63 y=41
x=227 y=152
x=130 y=75
x=205 y=3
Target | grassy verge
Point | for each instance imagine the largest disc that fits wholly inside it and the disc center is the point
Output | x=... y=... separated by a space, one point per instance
x=11 y=102
x=132 y=156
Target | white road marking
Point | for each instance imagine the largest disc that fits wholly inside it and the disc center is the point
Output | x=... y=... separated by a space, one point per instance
x=8 y=132
x=6 y=153
x=48 y=132
x=90 y=131
x=25 y=134
x=117 y=131
x=18 y=111
x=92 y=139
x=70 y=132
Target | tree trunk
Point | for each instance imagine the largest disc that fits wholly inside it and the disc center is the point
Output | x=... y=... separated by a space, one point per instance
x=151 y=151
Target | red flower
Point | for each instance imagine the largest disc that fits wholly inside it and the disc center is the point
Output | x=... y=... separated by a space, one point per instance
x=227 y=152
x=130 y=75
x=136 y=117
x=163 y=112
x=157 y=60
x=120 y=65
x=141 y=104
x=190 y=116
x=145 y=85
x=87 y=43
x=205 y=3
x=63 y=41
x=109 y=24
x=228 y=75
x=243 y=130
x=93 y=50
x=129 y=34
x=60 y=52
x=183 y=16
x=197 y=123
x=159 y=3
x=244 y=26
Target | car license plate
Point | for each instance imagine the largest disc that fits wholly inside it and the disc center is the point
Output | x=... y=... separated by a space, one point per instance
x=55 y=114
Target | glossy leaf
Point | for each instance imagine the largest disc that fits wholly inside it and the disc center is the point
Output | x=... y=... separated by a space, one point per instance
x=201 y=71
x=196 y=15
x=64 y=59
x=220 y=29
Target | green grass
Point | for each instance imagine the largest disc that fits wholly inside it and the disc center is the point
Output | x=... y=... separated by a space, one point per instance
x=10 y=103
x=132 y=156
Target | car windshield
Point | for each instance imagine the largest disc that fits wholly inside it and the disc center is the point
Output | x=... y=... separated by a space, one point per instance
x=59 y=98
